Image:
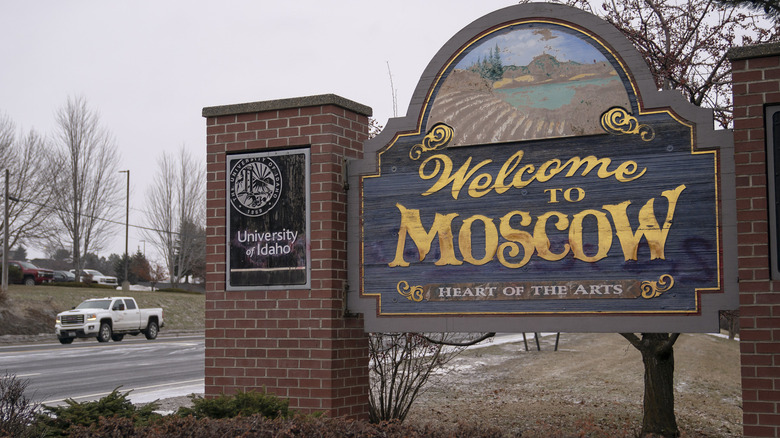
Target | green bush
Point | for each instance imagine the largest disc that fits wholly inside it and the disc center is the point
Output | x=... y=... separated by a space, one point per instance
x=241 y=404
x=59 y=419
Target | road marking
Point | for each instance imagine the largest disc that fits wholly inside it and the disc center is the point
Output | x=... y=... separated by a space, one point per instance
x=134 y=343
x=11 y=376
x=103 y=394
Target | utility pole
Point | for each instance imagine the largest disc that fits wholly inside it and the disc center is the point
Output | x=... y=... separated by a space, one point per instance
x=126 y=283
x=4 y=284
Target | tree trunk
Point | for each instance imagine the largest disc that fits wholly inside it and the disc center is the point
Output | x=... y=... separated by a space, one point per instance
x=658 y=357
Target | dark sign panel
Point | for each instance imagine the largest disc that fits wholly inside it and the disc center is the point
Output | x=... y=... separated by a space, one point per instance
x=537 y=184
x=772 y=117
x=268 y=220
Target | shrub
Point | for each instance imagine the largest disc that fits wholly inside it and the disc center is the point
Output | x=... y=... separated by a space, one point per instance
x=79 y=285
x=258 y=426
x=14 y=274
x=60 y=419
x=178 y=290
x=241 y=404
x=17 y=412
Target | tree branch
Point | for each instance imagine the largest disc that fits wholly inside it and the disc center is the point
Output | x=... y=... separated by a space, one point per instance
x=667 y=346
x=633 y=339
x=460 y=344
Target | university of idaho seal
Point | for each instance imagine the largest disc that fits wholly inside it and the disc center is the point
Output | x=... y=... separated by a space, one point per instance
x=255 y=185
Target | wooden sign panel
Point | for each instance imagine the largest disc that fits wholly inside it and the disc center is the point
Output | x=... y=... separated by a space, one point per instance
x=268 y=219
x=538 y=183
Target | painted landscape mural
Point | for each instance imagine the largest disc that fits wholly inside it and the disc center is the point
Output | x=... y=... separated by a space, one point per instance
x=527 y=82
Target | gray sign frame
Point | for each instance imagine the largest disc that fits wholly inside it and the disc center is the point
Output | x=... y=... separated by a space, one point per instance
x=705 y=320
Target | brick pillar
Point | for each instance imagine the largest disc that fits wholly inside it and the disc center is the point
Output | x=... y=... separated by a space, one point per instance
x=297 y=343
x=756 y=81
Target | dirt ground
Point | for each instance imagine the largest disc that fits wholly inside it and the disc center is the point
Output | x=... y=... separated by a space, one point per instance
x=592 y=386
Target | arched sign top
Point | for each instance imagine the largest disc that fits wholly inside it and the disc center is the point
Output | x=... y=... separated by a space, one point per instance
x=528 y=80
x=539 y=181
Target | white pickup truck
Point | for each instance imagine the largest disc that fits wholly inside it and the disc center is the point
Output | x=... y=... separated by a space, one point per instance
x=106 y=319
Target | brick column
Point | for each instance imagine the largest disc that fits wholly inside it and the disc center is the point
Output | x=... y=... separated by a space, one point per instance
x=756 y=81
x=297 y=343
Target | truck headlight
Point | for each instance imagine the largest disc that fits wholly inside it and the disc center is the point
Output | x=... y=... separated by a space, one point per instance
x=91 y=316
x=58 y=320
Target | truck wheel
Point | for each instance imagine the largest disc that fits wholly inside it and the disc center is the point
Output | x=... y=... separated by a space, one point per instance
x=29 y=281
x=151 y=330
x=65 y=341
x=104 y=335
x=117 y=338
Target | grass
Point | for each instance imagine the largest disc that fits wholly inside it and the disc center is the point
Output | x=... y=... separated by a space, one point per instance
x=183 y=311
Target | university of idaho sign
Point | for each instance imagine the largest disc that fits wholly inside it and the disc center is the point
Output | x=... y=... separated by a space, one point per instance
x=540 y=182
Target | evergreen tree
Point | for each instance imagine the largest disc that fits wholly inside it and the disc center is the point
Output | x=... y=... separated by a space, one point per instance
x=490 y=67
x=20 y=253
x=118 y=265
x=140 y=269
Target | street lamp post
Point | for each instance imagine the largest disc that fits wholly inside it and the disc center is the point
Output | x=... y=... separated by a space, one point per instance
x=126 y=283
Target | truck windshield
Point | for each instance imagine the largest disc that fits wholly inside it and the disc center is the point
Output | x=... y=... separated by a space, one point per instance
x=94 y=304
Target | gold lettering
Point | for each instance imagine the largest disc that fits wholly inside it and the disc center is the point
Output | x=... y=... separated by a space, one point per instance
x=440 y=167
x=412 y=225
x=553 y=195
x=514 y=237
x=580 y=194
x=535 y=240
x=591 y=162
x=542 y=242
x=518 y=182
x=648 y=226
x=444 y=164
x=477 y=189
x=491 y=240
x=623 y=170
x=604 y=233
x=541 y=174
x=507 y=168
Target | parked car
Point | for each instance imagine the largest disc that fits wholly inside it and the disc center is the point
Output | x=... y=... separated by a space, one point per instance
x=31 y=274
x=64 y=276
x=93 y=276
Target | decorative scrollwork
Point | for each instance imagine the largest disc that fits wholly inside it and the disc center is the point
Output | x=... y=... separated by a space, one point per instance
x=652 y=289
x=437 y=138
x=619 y=121
x=412 y=293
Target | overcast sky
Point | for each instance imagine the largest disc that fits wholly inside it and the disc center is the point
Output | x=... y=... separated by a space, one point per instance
x=150 y=67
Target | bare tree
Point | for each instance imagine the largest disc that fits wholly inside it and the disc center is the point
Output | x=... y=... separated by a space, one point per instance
x=175 y=210
x=684 y=42
x=401 y=364
x=658 y=402
x=770 y=7
x=88 y=186
x=30 y=173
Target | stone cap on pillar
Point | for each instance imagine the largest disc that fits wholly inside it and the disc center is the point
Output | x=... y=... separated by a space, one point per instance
x=757 y=51
x=283 y=104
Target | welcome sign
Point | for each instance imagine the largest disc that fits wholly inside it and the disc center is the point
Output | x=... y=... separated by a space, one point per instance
x=539 y=183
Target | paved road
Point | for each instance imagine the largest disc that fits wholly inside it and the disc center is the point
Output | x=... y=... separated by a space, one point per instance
x=88 y=370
